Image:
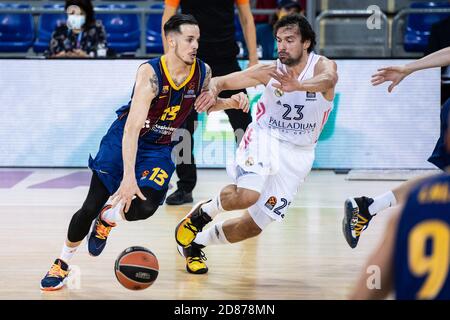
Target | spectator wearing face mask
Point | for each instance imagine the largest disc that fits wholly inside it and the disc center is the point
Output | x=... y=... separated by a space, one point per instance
x=81 y=36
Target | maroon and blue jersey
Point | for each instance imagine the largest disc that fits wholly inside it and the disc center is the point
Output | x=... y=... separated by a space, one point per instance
x=172 y=105
x=422 y=246
x=168 y=112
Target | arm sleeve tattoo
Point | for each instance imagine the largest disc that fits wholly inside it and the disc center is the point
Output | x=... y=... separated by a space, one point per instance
x=155 y=84
x=207 y=78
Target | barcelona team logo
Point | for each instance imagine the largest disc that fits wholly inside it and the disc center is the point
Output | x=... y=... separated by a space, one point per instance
x=145 y=174
x=271 y=203
x=165 y=89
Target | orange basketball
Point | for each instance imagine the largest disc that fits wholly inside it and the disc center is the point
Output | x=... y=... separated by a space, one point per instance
x=136 y=268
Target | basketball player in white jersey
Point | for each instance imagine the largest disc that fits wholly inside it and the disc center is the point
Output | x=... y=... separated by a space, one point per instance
x=277 y=150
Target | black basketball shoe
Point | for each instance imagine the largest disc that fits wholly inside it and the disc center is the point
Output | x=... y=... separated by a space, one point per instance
x=356 y=219
x=179 y=197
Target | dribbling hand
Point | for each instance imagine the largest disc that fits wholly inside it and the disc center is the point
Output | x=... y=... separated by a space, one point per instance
x=127 y=191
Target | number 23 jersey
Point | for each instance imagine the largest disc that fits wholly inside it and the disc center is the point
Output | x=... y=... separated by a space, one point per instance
x=297 y=117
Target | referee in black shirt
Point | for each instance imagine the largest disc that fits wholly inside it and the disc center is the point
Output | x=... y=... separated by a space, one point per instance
x=217 y=48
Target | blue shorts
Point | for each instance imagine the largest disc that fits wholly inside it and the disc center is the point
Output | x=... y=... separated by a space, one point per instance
x=440 y=157
x=154 y=165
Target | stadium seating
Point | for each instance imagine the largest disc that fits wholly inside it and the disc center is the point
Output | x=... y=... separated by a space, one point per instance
x=153 y=36
x=418 y=26
x=122 y=30
x=362 y=43
x=46 y=25
x=351 y=4
x=16 y=29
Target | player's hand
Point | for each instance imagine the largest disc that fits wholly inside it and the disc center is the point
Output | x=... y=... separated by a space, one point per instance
x=127 y=191
x=393 y=74
x=242 y=101
x=205 y=101
x=288 y=82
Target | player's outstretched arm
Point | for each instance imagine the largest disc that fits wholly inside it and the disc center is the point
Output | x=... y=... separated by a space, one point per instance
x=379 y=269
x=324 y=79
x=145 y=90
x=237 y=101
x=395 y=74
x=253 y=76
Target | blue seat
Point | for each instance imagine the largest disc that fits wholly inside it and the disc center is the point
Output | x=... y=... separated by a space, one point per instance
x=16 y=29
x=419 y=25
x=122 y=30
x=153 y=42
x=46 y=25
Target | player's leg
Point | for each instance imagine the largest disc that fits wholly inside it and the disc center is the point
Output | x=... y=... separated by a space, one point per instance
x=154 y=169
x=232 y=230
x=272 y=195
x=359 y=211
x=225 y=232
x=78 y=229
x=250 y=171
x=272 y=204
x=233 y=197
x=109 y=217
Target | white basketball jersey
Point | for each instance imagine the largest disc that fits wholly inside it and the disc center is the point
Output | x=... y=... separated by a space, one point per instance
x=297 y=117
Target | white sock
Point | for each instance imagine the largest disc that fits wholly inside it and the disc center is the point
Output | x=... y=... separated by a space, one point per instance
x=113 y=215
x=214 y=207
x=213 y=235
x=382 y=202
x=67 y=253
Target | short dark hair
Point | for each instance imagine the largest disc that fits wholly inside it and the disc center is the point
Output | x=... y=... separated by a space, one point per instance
x=306 y=31
x=87 y=7
x=176 y=21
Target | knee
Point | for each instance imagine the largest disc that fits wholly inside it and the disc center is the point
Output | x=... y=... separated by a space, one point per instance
x=246 y=198
x=88 y=210
x=141 y=210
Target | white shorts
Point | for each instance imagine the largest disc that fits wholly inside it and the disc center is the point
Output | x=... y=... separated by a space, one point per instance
x=272 y=167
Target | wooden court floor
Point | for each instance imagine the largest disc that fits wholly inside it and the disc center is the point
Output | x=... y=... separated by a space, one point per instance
x=304 y=257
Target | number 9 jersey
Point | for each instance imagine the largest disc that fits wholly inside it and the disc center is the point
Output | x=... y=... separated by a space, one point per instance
x=422 y=246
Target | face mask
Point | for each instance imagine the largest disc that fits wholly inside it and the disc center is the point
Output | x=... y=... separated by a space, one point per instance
x=75 y=21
